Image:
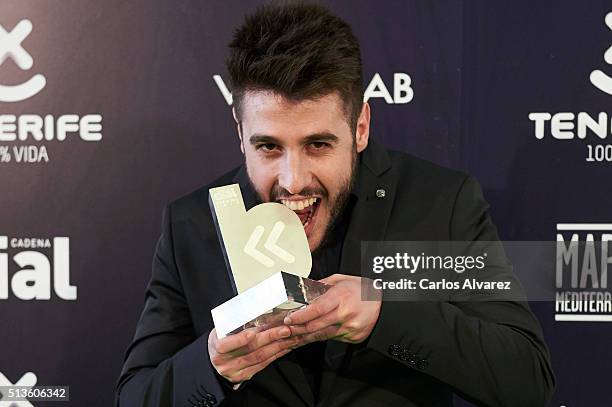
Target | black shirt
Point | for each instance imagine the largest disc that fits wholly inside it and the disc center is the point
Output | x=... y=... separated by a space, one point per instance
x=325 y=262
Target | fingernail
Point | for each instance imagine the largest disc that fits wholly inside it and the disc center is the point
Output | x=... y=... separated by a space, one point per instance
x=249 y=335
x=287 y=321
x=285 y=333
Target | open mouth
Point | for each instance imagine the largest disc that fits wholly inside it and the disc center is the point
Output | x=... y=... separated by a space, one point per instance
x=305 y=209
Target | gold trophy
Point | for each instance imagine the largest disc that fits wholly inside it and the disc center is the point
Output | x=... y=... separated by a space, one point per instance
x=267 y=255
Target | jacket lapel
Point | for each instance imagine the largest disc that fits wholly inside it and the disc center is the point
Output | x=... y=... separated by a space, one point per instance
x=372 y=210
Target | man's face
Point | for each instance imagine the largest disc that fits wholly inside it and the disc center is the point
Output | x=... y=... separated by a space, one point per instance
x=302 y=154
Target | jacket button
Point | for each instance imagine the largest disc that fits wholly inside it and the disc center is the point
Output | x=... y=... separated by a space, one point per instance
x=381 y=193
x=394 y=350
x=422 y=364
x=405 y=355
x=211 y=399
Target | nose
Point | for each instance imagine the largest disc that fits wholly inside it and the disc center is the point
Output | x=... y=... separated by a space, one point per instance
x=294 y=173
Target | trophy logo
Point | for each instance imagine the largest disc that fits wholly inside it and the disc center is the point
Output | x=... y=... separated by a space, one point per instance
x=270 y=244
x=258 y=243
x=268 y=258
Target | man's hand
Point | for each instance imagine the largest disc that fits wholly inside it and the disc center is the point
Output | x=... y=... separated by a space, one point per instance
x=238 y=357
x=338 y=314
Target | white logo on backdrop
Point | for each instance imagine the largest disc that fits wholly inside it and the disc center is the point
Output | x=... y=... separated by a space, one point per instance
x=583 y=259
x=599 y=79
x=27 y=381
x=34 y=127
x=10 y=47
x=402 y=91
x=581 y=125
x=43 y=268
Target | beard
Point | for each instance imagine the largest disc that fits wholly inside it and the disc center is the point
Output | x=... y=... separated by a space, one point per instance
x=337 y=206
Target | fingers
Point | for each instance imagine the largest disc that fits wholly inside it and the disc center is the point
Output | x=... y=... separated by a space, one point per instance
x=233 y=342
x=331 y=332
x=263 y=353
x=268 y=336
x=321 y=306
x=229 y=368
x=317 y=324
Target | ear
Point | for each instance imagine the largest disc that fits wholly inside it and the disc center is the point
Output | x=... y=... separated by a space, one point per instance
x=238 y=129
x=362 y=133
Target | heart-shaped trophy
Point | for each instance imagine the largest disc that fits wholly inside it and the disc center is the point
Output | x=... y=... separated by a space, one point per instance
x=267 y=255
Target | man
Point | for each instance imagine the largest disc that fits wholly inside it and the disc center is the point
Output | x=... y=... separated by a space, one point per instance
x=304 y=132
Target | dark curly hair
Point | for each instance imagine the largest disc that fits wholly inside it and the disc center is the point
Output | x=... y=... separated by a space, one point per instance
x=300 y=51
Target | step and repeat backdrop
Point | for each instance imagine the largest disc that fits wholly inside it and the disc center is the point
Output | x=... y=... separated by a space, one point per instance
x=110 y=109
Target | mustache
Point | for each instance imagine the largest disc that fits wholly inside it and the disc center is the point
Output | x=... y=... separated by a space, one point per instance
x=279 y=192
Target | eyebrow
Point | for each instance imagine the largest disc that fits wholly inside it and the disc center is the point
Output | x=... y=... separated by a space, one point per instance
x=318 y=137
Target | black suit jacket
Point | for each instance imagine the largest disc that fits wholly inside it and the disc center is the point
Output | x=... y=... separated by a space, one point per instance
x=418 y=354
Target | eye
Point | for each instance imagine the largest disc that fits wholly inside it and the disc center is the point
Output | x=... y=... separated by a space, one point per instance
x=267 y=147
x=319 y=145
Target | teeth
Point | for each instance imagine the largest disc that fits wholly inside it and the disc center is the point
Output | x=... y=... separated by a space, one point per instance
x=299 y=205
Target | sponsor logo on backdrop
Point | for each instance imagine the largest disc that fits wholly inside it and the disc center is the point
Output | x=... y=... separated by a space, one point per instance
x=28 y=380
x=402 y=89
x=401 y=93
x=583 y=260
x=26 y=132
x=10 y=47
x=582 y=125
x=598 y=78
x=34 y=268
